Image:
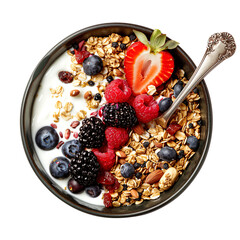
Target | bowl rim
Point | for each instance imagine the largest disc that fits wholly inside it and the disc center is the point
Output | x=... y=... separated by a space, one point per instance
x=84 y=208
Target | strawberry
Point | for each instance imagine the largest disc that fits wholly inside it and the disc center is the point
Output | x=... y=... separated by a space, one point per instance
x=147 y=63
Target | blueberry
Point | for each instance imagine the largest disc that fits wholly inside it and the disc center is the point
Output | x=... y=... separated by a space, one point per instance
x=178 y=88
x=138 y=175
x=47 y=138
x=180 y=154
x=190 y=125
x=115 y=44
x=92 y=65
x=165 y=104
x=167 y=154
x=123 y=46
x=75 y=46
x=199 y=122
x=109 y=78
x=97 y=97
x=165 y=166
x=127 y=170
x=74 y=186
x=136 y=165
x=192 y=142
x=132 y=36
x=93 y=191
x=70 y=148
x=59 y=167
x=91 y=83
x=146 y=144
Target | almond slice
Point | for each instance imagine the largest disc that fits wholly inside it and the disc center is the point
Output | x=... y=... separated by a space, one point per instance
x=138 y=129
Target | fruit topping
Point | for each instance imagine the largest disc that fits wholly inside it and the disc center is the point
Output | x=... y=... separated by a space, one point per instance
x=116 y=137
x=93 y=191
x=178 y=87
x=46 y=138
x=84 y=168
x=97 y=97
x=146 y=108
x=165 y=104
x=65 y=77
x=127 y=170
x=167 y=154
x=147 y=63
x=109 y=78
x=119 y=115
x=80 y=52
x=105 y=157
x=105 y=178
x=91 y=132
x=117 y=91
x=59 y=167
x=92 y=65
x=107 y=200
x=74 y=186
x=173 y=128
x=114 y=186
x=70 y=148
x=193 y=142
x=115 y=44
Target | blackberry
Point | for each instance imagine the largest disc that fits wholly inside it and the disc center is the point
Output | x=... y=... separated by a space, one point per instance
x=119 y=115
x=84 y=168
x=92 y=132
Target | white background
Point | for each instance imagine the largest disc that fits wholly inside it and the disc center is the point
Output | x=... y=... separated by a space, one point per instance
x=208 y=209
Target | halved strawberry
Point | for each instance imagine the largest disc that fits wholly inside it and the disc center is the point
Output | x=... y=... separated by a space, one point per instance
x=147 y=64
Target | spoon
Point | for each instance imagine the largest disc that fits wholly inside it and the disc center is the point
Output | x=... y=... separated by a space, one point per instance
x=220 y=47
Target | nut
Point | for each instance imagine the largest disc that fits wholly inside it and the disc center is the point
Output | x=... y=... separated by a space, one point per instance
x=157 y=144
x=168 y=178
x=154 y=176
x=134 y=193
x=88 y=95
x=138 y=129
x=74 y=93
x=121 y=154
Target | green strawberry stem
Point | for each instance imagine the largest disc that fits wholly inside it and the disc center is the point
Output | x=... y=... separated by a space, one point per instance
x=157 y=41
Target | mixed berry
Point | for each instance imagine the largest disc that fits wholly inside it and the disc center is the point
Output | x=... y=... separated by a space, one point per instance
x=88 y=159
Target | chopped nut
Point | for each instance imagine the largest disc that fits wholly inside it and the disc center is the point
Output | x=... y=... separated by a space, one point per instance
x=88 y=95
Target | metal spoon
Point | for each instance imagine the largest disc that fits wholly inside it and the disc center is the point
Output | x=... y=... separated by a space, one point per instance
x=220 y=47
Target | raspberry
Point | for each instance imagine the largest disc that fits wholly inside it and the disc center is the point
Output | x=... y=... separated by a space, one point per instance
x=118 y=91
x=116 y=137
x=146 y=108
x=114 y=186
x=105 y=157
x=105 y=178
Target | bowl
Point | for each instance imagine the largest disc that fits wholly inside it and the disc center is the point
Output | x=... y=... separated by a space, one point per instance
x=181 y=59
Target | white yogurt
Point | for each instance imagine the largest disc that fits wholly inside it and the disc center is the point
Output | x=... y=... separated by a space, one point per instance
x=43 y=109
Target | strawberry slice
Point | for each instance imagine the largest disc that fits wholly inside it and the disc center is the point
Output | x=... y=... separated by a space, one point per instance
x=147 y=64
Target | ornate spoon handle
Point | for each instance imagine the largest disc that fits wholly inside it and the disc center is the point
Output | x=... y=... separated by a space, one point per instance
x=220 y=47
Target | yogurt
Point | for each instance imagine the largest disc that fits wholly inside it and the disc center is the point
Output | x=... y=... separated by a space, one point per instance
x=42 y=115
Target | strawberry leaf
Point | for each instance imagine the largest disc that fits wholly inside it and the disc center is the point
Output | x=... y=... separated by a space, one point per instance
x=142 y=37
x=171 y=44
x=154 y=35
x=158 y=42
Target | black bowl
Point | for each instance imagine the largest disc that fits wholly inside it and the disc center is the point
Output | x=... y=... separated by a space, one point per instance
x=181 y=59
